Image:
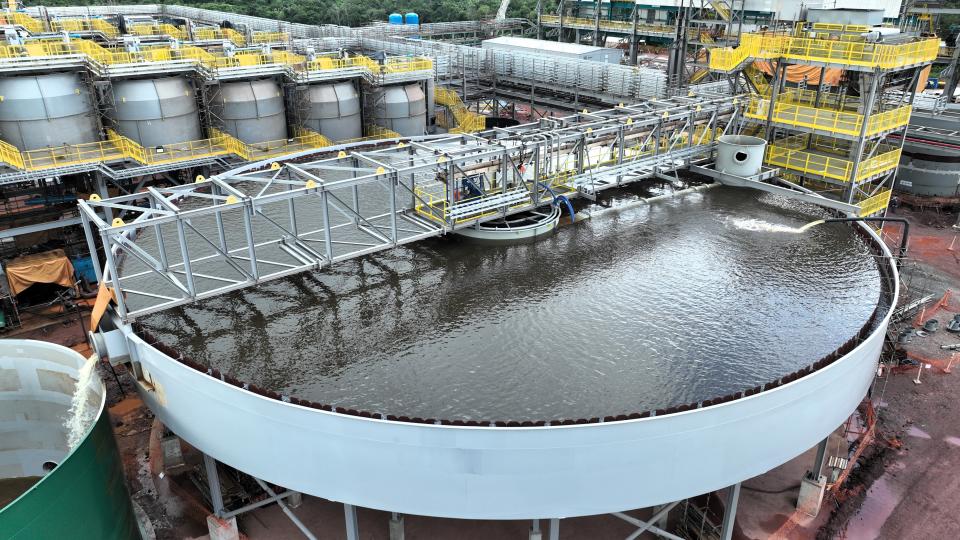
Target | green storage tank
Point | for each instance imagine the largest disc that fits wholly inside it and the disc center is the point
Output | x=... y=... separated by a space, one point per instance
x=78 y=493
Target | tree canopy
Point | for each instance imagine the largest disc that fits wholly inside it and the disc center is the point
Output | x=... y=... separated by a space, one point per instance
x=352 y=12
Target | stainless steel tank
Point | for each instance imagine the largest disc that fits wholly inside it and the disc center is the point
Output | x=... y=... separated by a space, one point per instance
x=156 y=112
x=930 y=162
x=38 y=111
x=334 y=111
x=401 y=108
x=252 y=111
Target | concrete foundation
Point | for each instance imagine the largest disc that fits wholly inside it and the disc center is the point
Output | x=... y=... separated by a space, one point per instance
x=811 y=494
x=222 y=529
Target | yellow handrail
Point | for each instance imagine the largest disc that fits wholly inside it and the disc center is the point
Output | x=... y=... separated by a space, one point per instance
x=10 y=155
x=270 y=37
x=15 y=18
x=617 y=26
x=204 y=34
x=796 y=153
x=801 y=49
x=795 y=113
x=875 y=204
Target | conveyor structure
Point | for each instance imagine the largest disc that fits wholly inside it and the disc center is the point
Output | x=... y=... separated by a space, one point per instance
x=374 y=196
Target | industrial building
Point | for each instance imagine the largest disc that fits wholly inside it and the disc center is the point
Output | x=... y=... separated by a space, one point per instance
x=162 y=158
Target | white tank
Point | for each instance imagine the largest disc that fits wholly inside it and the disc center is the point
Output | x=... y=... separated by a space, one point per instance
x=401 y=108
x=156 y=112
x=37 y=111
x=334 y=111
x=252 y=111
x=741 y=155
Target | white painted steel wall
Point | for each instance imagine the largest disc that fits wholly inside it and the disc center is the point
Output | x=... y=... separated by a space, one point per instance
x=505 y=473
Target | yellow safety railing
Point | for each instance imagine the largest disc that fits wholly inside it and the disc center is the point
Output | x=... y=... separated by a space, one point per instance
x=168 y=153
x=324 y=63
x=15 y=18
x=10 y=155
x=308 y=136
x=797 y=114
x=614 y=26
x=73 y=154
x=722 y=9
x=229 y=34
x=403 y=64
x=848 y=53
x=875 y=204
x=159 y=29
x=758 y=79
x=374 y=132
x=105 y=56
x=798 y=153
x=467 y=121
x=268 y=149
x=85 y=25
x=270 y=37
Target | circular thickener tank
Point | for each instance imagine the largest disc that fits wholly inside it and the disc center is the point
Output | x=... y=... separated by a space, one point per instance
x=741 y=155
x=38 y=111
x=395 y=18
x=252 y=111
x=402 y=108
x=411 y=18
x=156 y=112
x=335 y=111
x=50 y=488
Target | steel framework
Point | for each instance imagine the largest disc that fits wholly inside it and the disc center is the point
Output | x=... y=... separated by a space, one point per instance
x=265 y=221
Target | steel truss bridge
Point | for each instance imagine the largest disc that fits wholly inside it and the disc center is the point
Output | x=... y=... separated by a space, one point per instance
x=265 y=221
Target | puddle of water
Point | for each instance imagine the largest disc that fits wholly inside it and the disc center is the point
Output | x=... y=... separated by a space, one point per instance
x=882 y=498
x=914 y=431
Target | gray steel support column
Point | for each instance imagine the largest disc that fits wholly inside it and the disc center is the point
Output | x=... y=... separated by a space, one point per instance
x=535 y=533
x=730 y=512
x=350 y=516
x=596 y=23
x=396 y=526
x=104 y=194
x=213 y=483
x=856 y=151
x=555 y=529
x=560 y=26
x=778 y=74
x=821 y=457
x=539 y=19
x=633 y=37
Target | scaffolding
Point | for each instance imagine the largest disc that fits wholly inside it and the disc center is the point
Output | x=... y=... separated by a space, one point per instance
x=842 y=139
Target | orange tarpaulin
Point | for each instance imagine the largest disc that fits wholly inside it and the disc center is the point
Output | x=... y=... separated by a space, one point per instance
x=105 y=295
x=49 y=267
x=924 y=77
x=797 y=74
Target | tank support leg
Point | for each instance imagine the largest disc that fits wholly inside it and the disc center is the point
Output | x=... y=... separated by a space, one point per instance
x=535 y=533
x=350 y=516
x=730 y=513
x=213 y=482
x=396 y=526
x=555 y=529
x=821 y=457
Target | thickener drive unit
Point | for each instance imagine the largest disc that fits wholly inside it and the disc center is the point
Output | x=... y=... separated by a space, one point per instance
x=39 y=111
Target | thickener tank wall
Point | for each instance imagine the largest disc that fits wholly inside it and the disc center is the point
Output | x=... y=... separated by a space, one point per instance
x=334 y=111
x=38 y=111
x=84 y=496
x=402 y=108
x=155 y=112
x=252 y=111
